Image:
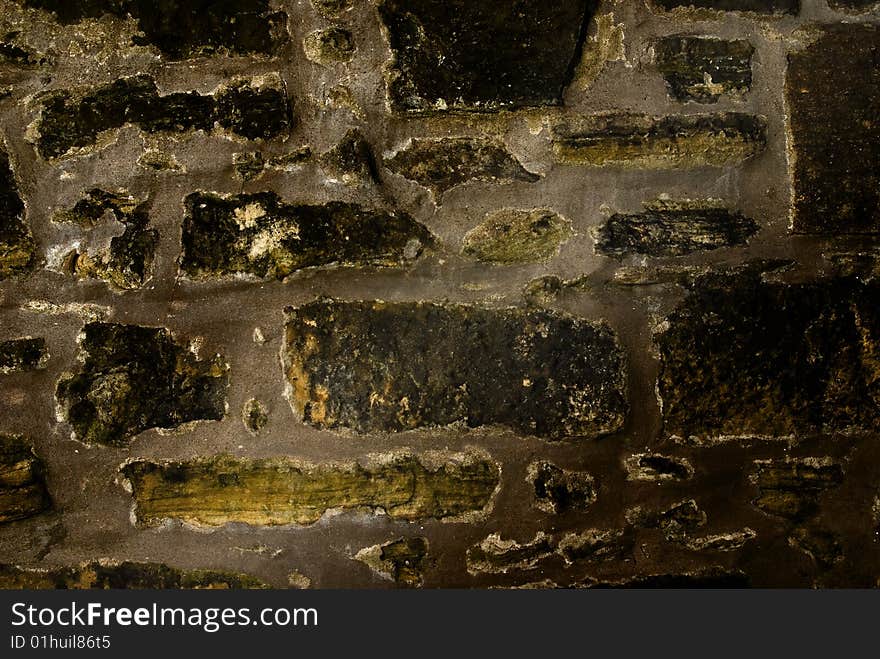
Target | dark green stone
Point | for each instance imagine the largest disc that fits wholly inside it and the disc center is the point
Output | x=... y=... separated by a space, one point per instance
x=22 y=354
x=374 y=367
x=743 y=356
x=132 y=378
x=481 y=54
x=686 y=61
x=261 y=235
x=832 y=90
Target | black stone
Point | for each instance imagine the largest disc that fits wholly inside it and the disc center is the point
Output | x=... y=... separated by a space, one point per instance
x=132 y=378
x=686 y=61
x=558 y=490
x=375 y=366
x=836 y=144
x=25 y=354
x=351 y=158
x=261 y=235
x=480 y=54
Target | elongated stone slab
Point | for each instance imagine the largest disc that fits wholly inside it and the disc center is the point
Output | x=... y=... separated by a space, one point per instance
x=276 y=491
x=388 y=367
x=261 y=235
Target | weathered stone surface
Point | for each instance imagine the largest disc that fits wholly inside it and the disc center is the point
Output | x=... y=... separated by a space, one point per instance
x=22 y=480
x=17 y=249
x=388 y=367
x=441 y=164
x=72 y=120
x=657 y=467
x=721 y=541
x=559 y=490
x=402 y=561
x=127 y=262
x=640 y=140
x=332 y=8
x=517 y=236
x=261 y=235
x=747 y=357
x=791 y=488
x=121 y=575
x=329 y=46
x=25 y=354
x=482 y=55
x=495 y=555
x=668 y=228
x=254 y=415
x=351 y=160
x=187 y=28
x=273 y=491
x=595 y=545
x=715 y=577
x=835 y=146
x=13 y=53
x=676 y=522
x=821 y=545
x=132 y=378
x=250 y=165
x=547 y=288
x=757 y=6
x=701 y=69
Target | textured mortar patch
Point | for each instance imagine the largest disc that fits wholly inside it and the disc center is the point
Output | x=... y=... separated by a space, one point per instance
x=480 y=54
x=329 y=46
x=756 y=6
x=351 y=160
x=677 y=141
x=402 y=561
x=676 y=522
x=71 y=121
x=835 y=147
x=497 y=556
x=721 y=541
x=790 y=488
x=17 y=248
x=24 y=354
x=23 y=490
x=187 y=28
x=517 y=236
x=559 y=490
x=747 y=357
x=276 y=491
x=441 y=164
x=254 y=415
x=595 y=545
x=105 y=575
x=127 y=262
x=701 y=69
x=259 y=234
x=674 y=229
x=388 y=367
x=132 y=378
x=821 y=545
x=656 y=467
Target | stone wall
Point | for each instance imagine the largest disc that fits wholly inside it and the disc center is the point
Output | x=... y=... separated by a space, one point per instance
x=439 y=293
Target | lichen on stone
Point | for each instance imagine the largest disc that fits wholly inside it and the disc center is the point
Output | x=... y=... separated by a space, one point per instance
x=132 y=378
x=517 y=236
x=23 y=490
x=276 y=491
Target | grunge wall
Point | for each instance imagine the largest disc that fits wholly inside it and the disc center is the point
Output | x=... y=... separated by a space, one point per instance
x=460 y=293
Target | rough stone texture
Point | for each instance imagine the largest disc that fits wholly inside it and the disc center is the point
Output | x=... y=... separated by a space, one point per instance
x=442 y=164
x=758 y=6
x=351 y=160
x=187 y=28
x=743 y=356
x=835 y=146
x=596 y=545
x=495 y=555
x=517 y=236
x=639 y=140
x=676 y=522
x=25 y=354
x=558 y=490
x=401 y=561
x=17 y=249
x=259 y=234
x=272 y=491
x=72 y=120
x=481 y=55
x=791 y=488
x=702 y=69
x=132 y=378
x=674 y=229
x=329 y=46
x=23 y=490
x=367 y=366
x=656 y=467
x=254 y=416
x=105 y=575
